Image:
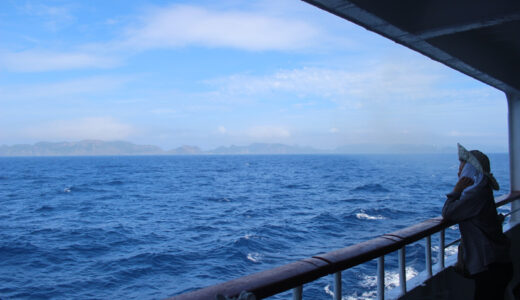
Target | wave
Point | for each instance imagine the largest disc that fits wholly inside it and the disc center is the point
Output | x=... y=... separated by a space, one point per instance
x=254 y=257
x=369 y=282
x=364 y=216
x=203 y=228
x=371 y=187
x=326 y=217
x=17 y=249
x=297 y=186
x=151 y=259
x=248 y=242
x=391 y=278
x=252 y=213
x=368 y=295
x=354 y=200
x=82 y=188
x=382 y=213
x=449 y=251
x=106 y=197
x=44 y=208
x=219 y=199
x=115 y=182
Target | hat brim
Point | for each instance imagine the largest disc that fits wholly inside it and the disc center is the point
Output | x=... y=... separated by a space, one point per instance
x=466 y=156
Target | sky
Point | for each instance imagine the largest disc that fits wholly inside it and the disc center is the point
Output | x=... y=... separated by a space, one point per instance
x=220 y=73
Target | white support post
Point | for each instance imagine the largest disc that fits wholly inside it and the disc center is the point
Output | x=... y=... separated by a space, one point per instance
x=441 y=249
x=381 y=278
x=402 y=269
x=337 y=285
x=428 y=255
x=513 y=103
x=297 y=293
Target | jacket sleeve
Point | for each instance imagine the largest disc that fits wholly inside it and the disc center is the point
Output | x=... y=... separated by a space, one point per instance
x=459 y=207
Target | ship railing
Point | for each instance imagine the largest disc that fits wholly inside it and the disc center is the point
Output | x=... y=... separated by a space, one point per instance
x=295 y=275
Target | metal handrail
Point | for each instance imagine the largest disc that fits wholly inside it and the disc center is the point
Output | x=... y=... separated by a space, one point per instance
x=295 y=275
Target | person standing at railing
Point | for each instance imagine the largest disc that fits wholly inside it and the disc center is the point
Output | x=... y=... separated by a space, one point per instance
x=485 y=247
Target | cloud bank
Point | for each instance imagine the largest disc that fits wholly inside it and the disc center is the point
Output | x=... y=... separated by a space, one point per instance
x=100 y=128
x=44 y=61
x=169 y=27
x=370 y=82
x=73 y=87
x=182 y=25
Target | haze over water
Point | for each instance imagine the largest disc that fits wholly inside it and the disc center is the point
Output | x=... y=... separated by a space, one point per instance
x=222 y=73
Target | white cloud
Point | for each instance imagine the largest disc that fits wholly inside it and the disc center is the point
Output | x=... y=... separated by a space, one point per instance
x=163 y=111
x=333 y=130
x=222 y=129
x=100 y=128
x=455 y=133
x=54 y=17
x=268 y=132
x=472 y=134
x=48 y=11
x=78 y=87
x=182 y=25
x=167 y=27
x=371 y=82
x=42 y=61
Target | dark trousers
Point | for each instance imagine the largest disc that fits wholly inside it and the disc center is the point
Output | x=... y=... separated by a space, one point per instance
x=491 y=284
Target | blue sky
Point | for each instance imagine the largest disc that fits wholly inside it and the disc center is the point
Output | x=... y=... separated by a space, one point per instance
x=212 y=73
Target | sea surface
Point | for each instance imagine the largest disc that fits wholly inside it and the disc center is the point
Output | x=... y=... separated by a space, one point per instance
x=150 y=227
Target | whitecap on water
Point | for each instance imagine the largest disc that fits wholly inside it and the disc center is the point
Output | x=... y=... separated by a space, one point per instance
x=66 y=190
x=364 y=296
x=370 y=282
x=391 y=278
x=254 y=257
x=364 y=216
x=449 y=251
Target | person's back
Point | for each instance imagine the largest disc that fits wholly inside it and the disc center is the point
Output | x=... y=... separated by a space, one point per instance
x=472 y=205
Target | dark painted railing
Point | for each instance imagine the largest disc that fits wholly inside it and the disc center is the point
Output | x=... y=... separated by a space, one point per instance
x=295 y=275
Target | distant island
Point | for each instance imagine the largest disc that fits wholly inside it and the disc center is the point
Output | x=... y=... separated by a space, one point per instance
x=98 y=148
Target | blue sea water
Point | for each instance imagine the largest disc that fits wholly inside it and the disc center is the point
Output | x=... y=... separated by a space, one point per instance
x=151 y=227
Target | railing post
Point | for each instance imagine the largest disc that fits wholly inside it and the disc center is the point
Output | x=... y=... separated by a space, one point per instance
x=297 y=293
x=513 y=107
x=428 y=254
x=381 y=277
x=337 y=285
x=441 y=249
x=402 y=270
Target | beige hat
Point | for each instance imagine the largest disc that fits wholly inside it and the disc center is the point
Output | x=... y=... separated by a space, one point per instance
x=480 y=161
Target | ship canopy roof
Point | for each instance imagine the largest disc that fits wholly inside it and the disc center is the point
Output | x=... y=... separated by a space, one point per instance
x=480 y=38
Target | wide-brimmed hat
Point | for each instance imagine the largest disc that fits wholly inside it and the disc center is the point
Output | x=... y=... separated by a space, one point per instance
x=480 y=161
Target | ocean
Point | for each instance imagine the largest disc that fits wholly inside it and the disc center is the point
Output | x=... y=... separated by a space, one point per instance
x=150 y=227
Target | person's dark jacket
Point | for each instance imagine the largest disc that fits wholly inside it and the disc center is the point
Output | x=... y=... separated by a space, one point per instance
x=480 y=227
